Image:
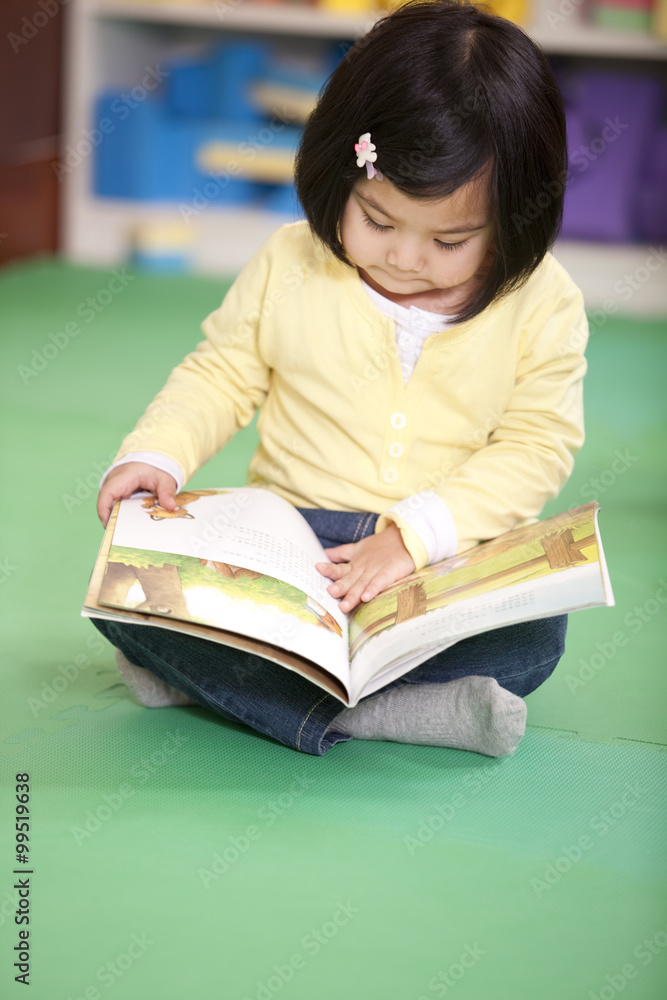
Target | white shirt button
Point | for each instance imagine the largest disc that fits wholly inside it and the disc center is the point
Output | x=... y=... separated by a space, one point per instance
x=390 y=475
x=398 y=421
x=395 y=449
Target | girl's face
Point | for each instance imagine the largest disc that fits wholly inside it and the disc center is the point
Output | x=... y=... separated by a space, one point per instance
x=410 y=248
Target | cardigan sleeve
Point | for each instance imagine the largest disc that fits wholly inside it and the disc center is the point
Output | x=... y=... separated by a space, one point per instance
x=217 y=388
x=529 y=455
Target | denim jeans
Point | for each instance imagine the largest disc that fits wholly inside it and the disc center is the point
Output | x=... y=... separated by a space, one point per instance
x=244 y=687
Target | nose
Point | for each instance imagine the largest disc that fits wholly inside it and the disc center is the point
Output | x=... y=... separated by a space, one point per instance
x=405 y=256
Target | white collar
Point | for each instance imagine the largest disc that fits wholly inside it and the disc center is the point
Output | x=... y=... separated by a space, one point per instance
x=409 y=316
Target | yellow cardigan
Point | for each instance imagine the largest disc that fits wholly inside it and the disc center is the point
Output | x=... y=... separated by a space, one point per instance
x=489 y=420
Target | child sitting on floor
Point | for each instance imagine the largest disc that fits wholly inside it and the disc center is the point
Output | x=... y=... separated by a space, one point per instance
x=417 y=356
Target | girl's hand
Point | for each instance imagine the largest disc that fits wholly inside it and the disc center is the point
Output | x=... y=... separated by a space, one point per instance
x=132 y=476
x=364 y=569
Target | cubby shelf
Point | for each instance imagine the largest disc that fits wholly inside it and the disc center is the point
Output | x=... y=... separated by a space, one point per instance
x=109 y=42
x=565 y=35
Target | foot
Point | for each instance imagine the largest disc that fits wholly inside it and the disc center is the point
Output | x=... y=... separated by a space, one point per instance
x=148 y=689
x=470 y=713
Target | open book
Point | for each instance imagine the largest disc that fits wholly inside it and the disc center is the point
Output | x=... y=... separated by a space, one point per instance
x=237 y=566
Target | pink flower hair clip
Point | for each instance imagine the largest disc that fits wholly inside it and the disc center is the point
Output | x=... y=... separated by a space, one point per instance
x=366 y=154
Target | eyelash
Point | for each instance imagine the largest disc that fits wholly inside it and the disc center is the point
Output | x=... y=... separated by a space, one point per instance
x=442 y=246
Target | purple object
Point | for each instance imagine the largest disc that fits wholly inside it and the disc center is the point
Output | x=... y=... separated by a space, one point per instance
x=612 y=121
x=652 y=190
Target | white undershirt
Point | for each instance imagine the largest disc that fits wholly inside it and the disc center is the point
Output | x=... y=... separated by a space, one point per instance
x=413 y=326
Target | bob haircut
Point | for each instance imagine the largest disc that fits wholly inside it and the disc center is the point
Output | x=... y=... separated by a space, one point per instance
x=446 y=89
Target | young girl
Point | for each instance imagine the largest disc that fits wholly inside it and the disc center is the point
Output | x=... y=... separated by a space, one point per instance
x=416 y=353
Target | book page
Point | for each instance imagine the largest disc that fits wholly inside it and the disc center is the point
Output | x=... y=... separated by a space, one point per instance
x=240 y=559
x=523 y=574
x=411 y=643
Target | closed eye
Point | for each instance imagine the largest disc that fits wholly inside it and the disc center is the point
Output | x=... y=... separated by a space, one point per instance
x=372 y=224
x=375 y=225
x=451 y=246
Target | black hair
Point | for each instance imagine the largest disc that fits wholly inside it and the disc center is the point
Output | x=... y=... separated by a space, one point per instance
x=446 y=88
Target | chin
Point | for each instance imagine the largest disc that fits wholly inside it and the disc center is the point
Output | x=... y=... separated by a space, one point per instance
x=403 y=284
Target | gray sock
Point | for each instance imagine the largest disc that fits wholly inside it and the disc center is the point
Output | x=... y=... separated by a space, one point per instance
x=469 y=713
x=148 y=689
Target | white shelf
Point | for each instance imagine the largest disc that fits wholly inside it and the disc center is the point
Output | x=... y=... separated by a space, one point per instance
x=577 y=39
x=244 y=15
x=602 y=269
x=569 y=36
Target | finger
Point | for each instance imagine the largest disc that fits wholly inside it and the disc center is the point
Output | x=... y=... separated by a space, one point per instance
x=341 y=587
x=366 y=588
x=105 y=504
x=108 y=495
x=334 y=571
x=165 y=496
x=350 y=601
x=103 y=509
x=353 y=594
x=341 y=553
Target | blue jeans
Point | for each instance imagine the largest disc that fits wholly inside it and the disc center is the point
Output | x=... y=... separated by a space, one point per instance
x=244 y=687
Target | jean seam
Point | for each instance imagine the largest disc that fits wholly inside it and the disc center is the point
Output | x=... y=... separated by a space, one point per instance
x=362 y=525
x=357 y=529
x=312 y=709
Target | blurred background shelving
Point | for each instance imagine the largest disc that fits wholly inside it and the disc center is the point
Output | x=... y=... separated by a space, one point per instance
x=110 y=44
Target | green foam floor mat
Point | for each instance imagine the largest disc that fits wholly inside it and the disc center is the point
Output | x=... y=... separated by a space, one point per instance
x=175 y=854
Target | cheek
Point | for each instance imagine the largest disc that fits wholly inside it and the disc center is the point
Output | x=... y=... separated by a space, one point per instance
x=470 y=262
x=455 y=263
x=354 y=241
x=346 y=232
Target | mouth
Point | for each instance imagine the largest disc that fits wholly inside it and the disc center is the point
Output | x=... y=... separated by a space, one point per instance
x=401 y=278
